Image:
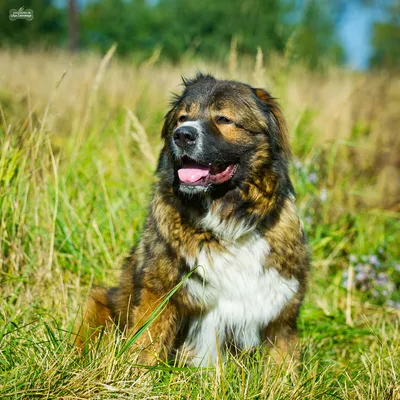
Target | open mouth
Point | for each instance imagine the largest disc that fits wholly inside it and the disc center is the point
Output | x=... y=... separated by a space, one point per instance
x=194 y=174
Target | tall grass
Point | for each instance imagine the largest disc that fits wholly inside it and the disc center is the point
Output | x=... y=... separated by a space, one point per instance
x=78 y=143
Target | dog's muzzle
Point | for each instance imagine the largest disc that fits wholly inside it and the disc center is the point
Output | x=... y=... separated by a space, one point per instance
x=186 y=137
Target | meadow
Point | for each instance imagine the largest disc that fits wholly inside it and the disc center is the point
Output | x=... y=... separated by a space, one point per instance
x=79 y=137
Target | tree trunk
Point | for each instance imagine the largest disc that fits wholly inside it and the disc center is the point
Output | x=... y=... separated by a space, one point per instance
x=73 y=25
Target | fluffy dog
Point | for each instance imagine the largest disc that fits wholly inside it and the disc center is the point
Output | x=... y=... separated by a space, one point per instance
x=223 y=220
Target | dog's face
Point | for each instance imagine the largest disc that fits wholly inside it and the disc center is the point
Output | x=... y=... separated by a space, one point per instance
x=219 y=135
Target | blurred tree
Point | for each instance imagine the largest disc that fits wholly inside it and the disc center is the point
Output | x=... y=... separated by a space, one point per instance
x=73 y=33
x=386 y=40
x=207 y=27
x=128 y=23
x=48 y=26
x=314 y=41
x=183 y=27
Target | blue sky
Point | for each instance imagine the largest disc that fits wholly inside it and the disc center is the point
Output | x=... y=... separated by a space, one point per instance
x=355 y=31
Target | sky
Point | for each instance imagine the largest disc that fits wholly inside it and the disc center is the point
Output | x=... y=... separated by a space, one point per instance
x=355 y=32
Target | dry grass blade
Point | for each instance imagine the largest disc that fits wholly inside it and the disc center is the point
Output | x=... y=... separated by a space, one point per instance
x=96 y=84
x=259 y=69
x=139 y=135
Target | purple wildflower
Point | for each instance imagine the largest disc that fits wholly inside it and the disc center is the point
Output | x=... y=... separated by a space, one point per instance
x=312 y=178
x=298 y=164
x=373 y=259
x=382 y=279
x=361 y=276
x=308 y=220
x=353 y=258
x=393 y=304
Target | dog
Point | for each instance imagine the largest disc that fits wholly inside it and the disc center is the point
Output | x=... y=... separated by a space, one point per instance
x=222 y=229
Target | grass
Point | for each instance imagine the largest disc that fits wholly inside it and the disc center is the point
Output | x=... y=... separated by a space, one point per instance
x=78 y=142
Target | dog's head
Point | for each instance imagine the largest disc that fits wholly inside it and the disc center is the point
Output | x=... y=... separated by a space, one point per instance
x=220 y=135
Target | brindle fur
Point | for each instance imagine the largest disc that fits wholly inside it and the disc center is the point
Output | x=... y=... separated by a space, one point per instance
x=261 y=193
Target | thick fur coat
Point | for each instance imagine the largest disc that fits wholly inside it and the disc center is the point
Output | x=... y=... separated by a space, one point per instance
x=223 y=219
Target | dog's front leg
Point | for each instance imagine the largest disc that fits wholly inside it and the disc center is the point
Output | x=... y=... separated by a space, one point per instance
x=281 y=337
x=156 y=342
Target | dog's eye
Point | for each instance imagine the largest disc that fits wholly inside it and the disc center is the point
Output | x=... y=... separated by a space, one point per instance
x=223 y=120
x=182 y=118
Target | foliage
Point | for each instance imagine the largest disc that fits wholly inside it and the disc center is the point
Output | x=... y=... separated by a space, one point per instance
x=128 y=23
x=305 y=32
x=184 y=28
x=314 y=39
x=386 y=39
x=207 y=28
x=48 y=26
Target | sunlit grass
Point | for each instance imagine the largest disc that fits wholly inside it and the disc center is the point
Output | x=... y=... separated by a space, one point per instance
x=77 y=155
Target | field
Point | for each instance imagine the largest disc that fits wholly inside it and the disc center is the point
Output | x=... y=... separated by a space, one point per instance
x=79 y=137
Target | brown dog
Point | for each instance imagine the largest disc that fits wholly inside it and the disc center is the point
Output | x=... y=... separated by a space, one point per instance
x=223 y=216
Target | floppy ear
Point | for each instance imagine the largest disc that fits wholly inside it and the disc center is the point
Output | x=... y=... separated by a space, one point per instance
x=281 y=131
x=168 y=119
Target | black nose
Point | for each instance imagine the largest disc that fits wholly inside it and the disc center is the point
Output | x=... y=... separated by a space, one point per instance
x=185 y=135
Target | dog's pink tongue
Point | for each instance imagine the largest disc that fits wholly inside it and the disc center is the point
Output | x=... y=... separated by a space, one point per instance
x=192 y=173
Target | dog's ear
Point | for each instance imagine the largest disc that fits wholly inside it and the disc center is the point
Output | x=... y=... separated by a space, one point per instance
x=167 y=121
x=280 y=129
x=169 y=117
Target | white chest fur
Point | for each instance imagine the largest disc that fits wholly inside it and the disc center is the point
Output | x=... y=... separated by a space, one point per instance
x=240 y=293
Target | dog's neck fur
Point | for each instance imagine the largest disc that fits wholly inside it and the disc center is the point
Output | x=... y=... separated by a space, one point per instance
x=250 y=206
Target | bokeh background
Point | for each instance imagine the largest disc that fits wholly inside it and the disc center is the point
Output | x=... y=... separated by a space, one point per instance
x=84 y=87
x=360 y=34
